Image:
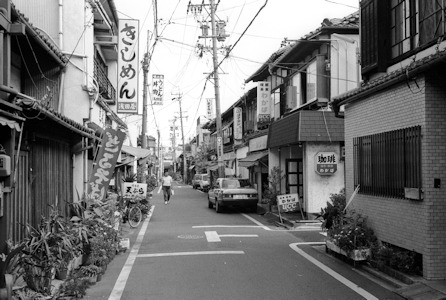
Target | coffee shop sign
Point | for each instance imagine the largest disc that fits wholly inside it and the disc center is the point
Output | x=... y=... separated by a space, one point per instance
x=326 y=163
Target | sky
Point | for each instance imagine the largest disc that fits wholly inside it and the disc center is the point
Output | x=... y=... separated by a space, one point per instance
x=256 y=30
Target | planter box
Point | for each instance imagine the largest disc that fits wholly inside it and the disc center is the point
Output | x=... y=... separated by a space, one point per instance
x=356 y=255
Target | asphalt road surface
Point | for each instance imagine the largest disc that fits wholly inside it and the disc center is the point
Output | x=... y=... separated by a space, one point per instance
x=185 y=250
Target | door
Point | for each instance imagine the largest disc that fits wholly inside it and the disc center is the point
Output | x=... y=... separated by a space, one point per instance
x=294 y=178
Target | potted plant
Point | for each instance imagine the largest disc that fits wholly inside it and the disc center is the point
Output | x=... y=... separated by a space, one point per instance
x=272 y=189
x=350 y=236
x=90 y=271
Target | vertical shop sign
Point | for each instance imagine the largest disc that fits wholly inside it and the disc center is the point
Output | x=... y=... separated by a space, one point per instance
x=157 y=89
x=105 y=163
x=263 y=102
x=238 y=123
x=210 y=108
x=219 y=147
x=128 y=66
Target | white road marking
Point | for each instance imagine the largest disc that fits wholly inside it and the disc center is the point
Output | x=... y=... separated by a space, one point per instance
x=159 y=189
x=332 y=273
x=226 y=226
x=118 y=289
x=256 y=222
x=212 y=236
x=189 y=253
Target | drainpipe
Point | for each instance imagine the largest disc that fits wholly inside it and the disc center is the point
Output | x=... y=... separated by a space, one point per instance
x=61 y=25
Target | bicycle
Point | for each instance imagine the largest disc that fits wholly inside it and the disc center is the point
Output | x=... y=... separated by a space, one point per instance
x=130 y=212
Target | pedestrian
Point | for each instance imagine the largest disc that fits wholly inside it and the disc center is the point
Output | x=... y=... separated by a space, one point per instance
x=166 y=182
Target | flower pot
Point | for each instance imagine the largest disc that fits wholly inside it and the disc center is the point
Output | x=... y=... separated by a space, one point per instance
x=355 y=255
x=99 y=277
x=93 y=278
x=62 y=274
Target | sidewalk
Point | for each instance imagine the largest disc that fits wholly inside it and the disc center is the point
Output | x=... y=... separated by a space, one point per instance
x=409 y=287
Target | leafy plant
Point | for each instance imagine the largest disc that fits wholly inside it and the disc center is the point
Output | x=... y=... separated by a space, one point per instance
x=129 y=177
x=334 y=211
x=399 y=259
x=272 y=189
x=90 y=270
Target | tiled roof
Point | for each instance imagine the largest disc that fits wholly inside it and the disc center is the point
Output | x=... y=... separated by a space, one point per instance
x=265 y=65
x=39 y=34
x=350 y=21
x=415 y=67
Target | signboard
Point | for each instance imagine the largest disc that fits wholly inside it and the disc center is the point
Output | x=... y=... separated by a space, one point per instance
x=105 y=163
x=128 y=60
x=134 y=189
x=157 y=89
x=219 y=147
x=287 y=202
x=238 y=123
x=263 y=102
x=210 y=108
x=326 y=163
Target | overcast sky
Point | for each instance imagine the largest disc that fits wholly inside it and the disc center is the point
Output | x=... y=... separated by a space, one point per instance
x=185 y=69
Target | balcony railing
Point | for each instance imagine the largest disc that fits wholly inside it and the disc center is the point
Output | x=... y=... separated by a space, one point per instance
x=106 y=89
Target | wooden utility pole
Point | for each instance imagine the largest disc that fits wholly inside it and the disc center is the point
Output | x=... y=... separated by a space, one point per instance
x=221 y=169
x=184 y=145
x=145 y=69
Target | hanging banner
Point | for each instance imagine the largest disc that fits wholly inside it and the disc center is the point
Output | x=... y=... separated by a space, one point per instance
x=263 y=102
x=128 y=60
x=238 y=123
x=210 y=108
x=105 y=163
x=157 y=89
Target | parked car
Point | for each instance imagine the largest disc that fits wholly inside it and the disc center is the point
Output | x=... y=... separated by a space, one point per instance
x=201 y=181
x=233 y=192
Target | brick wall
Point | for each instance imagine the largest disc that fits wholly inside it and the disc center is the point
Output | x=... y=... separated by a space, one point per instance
x=414 y=225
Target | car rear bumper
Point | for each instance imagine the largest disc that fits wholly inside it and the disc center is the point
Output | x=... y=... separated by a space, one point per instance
x=238 y=202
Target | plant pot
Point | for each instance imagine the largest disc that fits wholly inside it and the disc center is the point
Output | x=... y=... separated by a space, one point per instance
x=355 y=255
x=62 y=274
x=99 y=277
x=93 y=278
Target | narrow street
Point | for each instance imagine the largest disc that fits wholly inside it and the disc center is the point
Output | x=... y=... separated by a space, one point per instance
x=188 y=251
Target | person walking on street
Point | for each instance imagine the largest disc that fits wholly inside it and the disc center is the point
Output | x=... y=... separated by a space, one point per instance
x=166 y=182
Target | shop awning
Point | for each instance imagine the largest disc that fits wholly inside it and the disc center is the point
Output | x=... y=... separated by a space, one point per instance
x=252 y=159
x=136 y=152
x=306 y=126
x=10 y=123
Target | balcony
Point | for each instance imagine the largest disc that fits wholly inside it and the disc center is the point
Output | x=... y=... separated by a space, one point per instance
x=106 y=89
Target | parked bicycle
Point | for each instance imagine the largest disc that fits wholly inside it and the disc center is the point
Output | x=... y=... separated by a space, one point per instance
x=130 y=212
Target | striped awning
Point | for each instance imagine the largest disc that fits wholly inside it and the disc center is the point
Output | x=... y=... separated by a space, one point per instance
x=10 y=123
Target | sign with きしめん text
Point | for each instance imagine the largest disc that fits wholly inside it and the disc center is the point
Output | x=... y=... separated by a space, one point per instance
x=326 y=163
x=105 y=163
x=134 y=189
x=238 y=123
x=157 y=89
x=128 y=60
x=288 y=202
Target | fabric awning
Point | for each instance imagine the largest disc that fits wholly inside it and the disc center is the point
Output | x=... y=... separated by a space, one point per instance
x=136 y=152
x=252 y=159
x=10 y=123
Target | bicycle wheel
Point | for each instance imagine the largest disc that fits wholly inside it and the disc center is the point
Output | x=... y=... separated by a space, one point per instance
x=135 y=216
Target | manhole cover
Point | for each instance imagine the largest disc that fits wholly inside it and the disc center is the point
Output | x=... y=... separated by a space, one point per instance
x=190 y=236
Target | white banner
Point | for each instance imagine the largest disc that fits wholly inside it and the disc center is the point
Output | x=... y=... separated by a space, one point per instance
x=263 y=102
x=210 y=108
x=157 y=89
x=128 y=62
x=238 y=123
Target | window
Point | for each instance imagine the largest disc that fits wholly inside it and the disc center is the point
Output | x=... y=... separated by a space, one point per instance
x=403 y=26
x=311 y=82
x=387 y=163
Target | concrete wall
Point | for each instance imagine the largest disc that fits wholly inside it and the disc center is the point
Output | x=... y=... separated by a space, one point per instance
x=319 y=187
x=414 y=225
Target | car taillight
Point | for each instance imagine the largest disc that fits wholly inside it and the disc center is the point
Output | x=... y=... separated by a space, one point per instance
x=227 y=195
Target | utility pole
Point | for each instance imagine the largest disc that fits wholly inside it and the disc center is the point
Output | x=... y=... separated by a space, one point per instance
x=145 y=68
x=217 y=34
x=179 y=97
x=174 y=146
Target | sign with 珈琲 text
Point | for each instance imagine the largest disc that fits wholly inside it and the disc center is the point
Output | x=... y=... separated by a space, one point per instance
x=157 y=89
x=326 y=163
x=128 y=60
x=105 y=163
x=287 y=202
